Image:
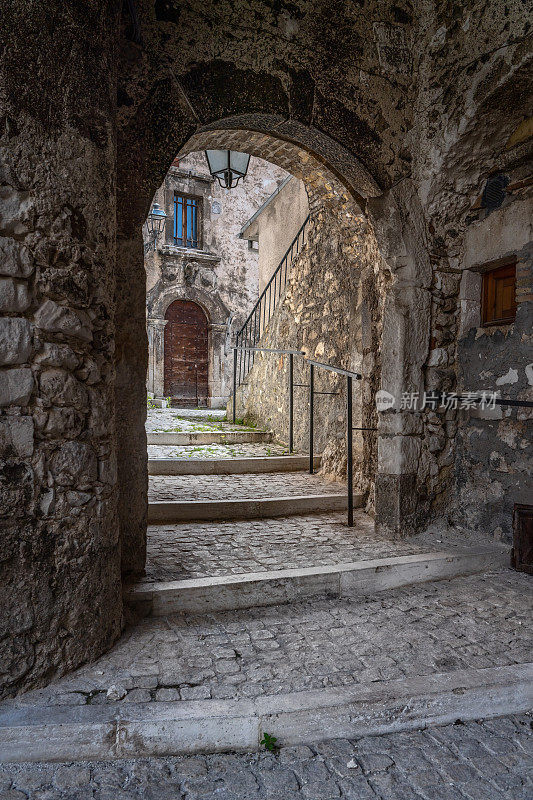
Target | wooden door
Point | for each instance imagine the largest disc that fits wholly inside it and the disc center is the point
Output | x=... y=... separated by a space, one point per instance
x=186 y=352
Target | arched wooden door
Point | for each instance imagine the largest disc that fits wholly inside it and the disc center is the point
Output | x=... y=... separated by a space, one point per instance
x=186 y=353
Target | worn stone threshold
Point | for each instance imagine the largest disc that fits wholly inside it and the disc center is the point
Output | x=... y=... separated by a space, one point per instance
x=188 y=510
x=230 y=466
x=208 y=437
x=256 y=589
x=90 y=732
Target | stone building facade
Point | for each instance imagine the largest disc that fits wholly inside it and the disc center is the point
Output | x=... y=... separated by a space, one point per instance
x=215 y=270
x=402 y=112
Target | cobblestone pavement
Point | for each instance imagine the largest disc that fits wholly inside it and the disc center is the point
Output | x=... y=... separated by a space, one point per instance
x=478 y=621
x=180 y=419
x=203 y=549
x=489 y=760
x=215 y=451
x=239 y=487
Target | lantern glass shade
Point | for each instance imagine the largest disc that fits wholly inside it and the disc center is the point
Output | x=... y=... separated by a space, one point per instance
x=156 y=220
x=227 y=166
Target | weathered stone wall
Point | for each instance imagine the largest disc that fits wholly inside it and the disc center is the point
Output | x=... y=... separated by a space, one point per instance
x=60 y=596
x=221 y=275
x=493 y=468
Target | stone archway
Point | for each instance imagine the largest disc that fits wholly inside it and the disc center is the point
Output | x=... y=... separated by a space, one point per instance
x=366 y=93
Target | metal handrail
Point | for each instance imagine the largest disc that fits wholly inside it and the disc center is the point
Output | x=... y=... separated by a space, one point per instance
x=261 y=313
x=350 y=376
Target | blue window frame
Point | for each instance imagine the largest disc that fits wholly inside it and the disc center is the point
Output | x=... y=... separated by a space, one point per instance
x=186 y=215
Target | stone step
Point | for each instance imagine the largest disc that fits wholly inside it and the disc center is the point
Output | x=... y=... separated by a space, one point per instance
x=229 y=466
x=175 y=511
x=139 y=730
x=207 y=437
x=268 y=588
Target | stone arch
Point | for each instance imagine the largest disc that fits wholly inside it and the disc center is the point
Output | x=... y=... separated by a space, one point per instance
x=215 y=310
x=108 y=123
x=335 y=181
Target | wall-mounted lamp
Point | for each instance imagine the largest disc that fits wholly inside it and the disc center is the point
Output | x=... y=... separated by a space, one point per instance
x=155 y=225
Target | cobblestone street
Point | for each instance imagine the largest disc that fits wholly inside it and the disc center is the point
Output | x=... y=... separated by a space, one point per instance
x=478 y=621
x=490 y=760
x=204 y=549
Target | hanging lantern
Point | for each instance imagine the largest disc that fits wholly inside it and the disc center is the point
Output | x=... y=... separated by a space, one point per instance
x=227 y=166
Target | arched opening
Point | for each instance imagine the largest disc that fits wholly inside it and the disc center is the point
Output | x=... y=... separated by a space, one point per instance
x=342 y=327
x=186 y=379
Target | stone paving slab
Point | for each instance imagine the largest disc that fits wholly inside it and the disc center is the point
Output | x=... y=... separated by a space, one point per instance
x=479 y=622
x=489 y=760
x=239 y=487
x=230 y=466
x=274 y=587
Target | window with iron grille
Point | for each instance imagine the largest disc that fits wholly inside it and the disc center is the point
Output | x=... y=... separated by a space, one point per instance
x=186 y=220
x=499 y=289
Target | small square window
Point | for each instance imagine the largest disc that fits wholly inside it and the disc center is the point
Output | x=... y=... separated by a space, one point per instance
x=499 y=291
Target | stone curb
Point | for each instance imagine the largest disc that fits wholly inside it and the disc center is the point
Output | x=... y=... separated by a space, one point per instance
x=175 y=511
x=62 y=733
x=256 y=589
x=229 y=466
x=209 y=437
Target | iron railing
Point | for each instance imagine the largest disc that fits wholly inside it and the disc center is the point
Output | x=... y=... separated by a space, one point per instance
x=312 y=393
x=259 y=317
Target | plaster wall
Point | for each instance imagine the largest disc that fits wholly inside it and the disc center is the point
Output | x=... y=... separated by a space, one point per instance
x=276 y=226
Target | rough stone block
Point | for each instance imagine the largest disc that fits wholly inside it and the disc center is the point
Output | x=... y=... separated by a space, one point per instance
x=398 y=455
x=470 y=316
x=470 y=288
x=16 y=386
x=74 y=463
x=14 y=295
x=438 y=357
x=16 y=488
x=16 y=436
x=59 y=387
x=15 y=259
x=17 y=211
x=57 y=355
x=15 y=340
x=54 y=318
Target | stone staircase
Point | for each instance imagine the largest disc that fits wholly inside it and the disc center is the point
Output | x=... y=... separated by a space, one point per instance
x=290 y=525
x=280 y=618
